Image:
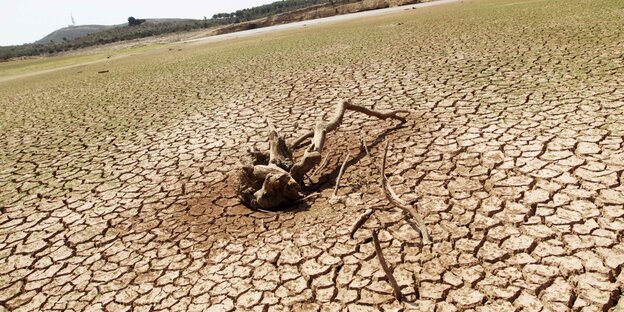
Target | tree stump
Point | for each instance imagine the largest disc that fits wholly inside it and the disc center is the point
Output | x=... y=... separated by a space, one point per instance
x=273 y=179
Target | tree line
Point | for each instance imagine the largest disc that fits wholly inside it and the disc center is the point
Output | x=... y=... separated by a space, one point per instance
x=268 y=9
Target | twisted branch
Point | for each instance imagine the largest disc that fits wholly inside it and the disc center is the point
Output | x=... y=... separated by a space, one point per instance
x=394 y=199
x=339 y=113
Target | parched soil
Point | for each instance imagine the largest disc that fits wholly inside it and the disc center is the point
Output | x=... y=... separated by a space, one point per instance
x=116 y=190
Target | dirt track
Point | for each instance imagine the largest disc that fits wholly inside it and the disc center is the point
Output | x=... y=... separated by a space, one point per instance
x=115 y=190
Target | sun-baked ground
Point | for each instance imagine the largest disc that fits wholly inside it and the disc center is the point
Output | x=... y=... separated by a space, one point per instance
x=116 y=189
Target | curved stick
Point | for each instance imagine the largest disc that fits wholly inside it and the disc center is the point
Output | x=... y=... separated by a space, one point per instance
x=384 y=265
x=360 y=221
x=394 y=199
x=342 y=168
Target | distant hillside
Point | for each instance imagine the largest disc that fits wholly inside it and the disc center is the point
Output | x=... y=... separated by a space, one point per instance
x=71 y=33
x=74 y=32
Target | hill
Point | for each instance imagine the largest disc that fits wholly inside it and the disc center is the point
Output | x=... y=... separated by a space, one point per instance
x=74 y=32
x=71 y=33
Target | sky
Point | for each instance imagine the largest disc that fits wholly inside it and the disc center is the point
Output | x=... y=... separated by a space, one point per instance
x=26 y=21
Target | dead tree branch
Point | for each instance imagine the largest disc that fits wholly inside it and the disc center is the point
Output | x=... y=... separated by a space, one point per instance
x=394 y=199
x=339 y=114
x=384 y=265
x=360 y=221
x=323 y=163
x=342 y=168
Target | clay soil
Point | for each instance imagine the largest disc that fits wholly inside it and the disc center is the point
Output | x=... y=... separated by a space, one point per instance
x=117 y=192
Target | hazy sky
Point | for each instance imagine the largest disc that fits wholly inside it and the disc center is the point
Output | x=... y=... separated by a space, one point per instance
x=25 y=21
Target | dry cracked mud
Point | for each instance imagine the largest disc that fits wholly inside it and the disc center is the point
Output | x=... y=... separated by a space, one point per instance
x=116 y=190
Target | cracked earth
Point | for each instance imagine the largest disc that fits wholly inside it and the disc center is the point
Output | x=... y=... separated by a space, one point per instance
x=117 y=193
